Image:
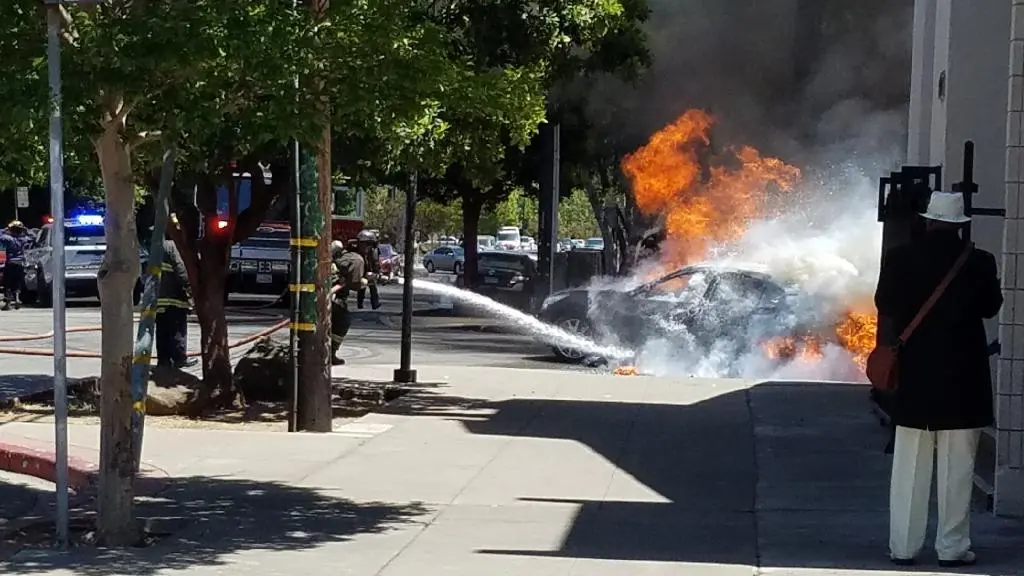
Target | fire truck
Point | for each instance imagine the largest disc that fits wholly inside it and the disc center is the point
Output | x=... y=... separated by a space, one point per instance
x=261 y=264
x=348 y=219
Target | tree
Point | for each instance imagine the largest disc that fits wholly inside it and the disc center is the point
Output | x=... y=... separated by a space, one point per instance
x=558 y=41
x=576 y=216
x=437 y=219
x=134 y=74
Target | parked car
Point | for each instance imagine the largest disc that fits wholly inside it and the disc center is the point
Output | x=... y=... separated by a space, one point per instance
x=594 y=243
x=485 y=242
x=712 y=303
x=509 y=238
x=84 y=246
x=445 y=259
x=390 y=262
x=507 y=277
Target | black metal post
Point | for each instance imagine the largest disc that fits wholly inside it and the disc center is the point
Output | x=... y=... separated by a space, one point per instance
x=405 y=374
x=547 y=213
x=967 y=186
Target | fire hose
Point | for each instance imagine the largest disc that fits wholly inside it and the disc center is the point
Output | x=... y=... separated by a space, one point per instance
x=86 y=354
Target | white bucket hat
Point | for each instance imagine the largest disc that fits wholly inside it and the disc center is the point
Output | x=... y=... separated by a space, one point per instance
x=947 y=207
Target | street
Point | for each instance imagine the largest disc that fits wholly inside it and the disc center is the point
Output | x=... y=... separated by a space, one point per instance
x=438 y=337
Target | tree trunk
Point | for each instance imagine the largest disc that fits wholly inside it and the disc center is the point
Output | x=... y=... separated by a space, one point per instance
x=218 y=389
x=117 y=277
x=471 y=207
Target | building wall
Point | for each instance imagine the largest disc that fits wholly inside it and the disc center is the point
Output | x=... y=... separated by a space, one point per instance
x=1009 y=480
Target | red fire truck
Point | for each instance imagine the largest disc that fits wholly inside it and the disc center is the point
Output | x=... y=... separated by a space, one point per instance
x=346 y=224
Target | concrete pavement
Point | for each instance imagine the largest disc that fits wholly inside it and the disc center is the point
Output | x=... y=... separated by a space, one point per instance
x=501 y=471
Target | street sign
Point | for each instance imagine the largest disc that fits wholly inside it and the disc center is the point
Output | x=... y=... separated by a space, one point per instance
x=22 y=196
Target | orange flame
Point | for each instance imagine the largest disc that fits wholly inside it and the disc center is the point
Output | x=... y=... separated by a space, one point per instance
x=626 y=371
x=707 y=199
x=856 y=333
x=701 y=207
x=806 y=349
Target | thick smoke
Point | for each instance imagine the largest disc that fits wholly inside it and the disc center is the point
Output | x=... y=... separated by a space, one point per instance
x=822 y=84
x=815 y=82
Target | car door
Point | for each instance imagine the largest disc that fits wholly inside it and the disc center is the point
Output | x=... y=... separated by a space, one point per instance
x=440 y=259
x=662 y=307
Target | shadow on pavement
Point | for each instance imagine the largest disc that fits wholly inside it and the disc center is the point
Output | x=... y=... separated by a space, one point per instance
x=777 y=475
x=213 y=517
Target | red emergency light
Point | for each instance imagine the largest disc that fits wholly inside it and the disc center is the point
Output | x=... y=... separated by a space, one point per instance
x=220 y=223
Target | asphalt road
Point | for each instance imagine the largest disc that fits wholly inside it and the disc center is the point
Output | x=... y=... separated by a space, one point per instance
x=439 y=338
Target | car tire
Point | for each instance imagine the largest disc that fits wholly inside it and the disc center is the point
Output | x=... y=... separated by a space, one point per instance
x=429 y=265
x=577 y=325
x=457 y=269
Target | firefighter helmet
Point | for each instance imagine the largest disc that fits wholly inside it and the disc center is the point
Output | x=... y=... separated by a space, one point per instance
x=16 y=225
x=337 y=247
x=366 y=236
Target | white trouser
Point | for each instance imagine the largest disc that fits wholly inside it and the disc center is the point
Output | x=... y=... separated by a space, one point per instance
x=910 y=490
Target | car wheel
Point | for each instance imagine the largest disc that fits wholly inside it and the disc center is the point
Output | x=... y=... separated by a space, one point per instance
x=457 y=268
x=429 y=266
x=573 y=325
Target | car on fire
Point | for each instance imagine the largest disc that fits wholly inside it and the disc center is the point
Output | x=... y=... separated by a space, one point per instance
x=712 y=303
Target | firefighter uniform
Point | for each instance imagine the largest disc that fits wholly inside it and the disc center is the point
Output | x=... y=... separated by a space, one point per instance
x=13 y=240
x=347 y=273
x=173 y=305
x=371 y=253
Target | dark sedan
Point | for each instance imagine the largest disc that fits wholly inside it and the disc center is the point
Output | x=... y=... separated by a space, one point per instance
x=711 y=303
x=507 y=277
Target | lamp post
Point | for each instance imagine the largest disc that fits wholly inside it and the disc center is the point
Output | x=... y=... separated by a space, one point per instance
x=405 y=374
x=60 y=397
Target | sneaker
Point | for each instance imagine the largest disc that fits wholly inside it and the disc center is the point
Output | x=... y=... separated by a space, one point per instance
x=966 y=559
x=188 y=363
x=337 y=361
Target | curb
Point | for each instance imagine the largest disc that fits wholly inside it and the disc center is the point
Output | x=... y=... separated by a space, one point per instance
x=40 y=461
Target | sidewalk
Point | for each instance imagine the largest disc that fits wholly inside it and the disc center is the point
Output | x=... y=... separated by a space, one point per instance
x=489 y=471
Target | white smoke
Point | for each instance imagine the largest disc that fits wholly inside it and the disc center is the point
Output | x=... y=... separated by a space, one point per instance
x=826 y=247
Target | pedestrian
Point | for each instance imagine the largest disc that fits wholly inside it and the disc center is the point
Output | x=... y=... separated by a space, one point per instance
x=348 y=272
x=173 y=305
x=14 y=240
x=370 y=251
x=944 y=393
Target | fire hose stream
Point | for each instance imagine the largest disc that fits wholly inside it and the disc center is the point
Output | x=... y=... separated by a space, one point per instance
x=85 y=354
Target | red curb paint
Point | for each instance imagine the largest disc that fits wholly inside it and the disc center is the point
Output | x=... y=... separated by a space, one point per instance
x=41 y=462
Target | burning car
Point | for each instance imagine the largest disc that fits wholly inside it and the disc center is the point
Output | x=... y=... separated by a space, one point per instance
x=745 y=308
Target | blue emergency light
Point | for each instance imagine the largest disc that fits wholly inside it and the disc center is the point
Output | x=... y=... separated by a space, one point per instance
x=89 y=219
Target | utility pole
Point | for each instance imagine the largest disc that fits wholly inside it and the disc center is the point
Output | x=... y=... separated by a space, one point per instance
x=405 y=374
x=312 y=324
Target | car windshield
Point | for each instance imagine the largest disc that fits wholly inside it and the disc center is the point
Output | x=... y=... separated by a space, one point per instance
x=593 y=242
x=678 y=285
x=508 y=236
x=386 y=251
x=84 y=236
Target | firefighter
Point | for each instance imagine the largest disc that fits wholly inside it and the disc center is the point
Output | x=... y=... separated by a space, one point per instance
x=348 y=270
x=370 y=251
x=173 y=305
x=14 y=239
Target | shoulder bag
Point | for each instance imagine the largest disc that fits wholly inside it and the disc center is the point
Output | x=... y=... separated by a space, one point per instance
x=883 y=363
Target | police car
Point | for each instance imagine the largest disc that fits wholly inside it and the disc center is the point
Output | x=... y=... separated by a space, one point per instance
x=84 y=247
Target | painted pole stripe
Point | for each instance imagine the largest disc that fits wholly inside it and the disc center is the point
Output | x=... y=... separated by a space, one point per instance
x=302 y=287
x=144 y=358
x=303 y=326
x=139 y=407
x=305 y=242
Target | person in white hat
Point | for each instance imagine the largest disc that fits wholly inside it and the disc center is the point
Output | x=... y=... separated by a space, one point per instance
x=944 y=396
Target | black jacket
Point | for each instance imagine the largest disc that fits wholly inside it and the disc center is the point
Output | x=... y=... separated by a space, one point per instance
x=945 y=381
x=174 y=288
